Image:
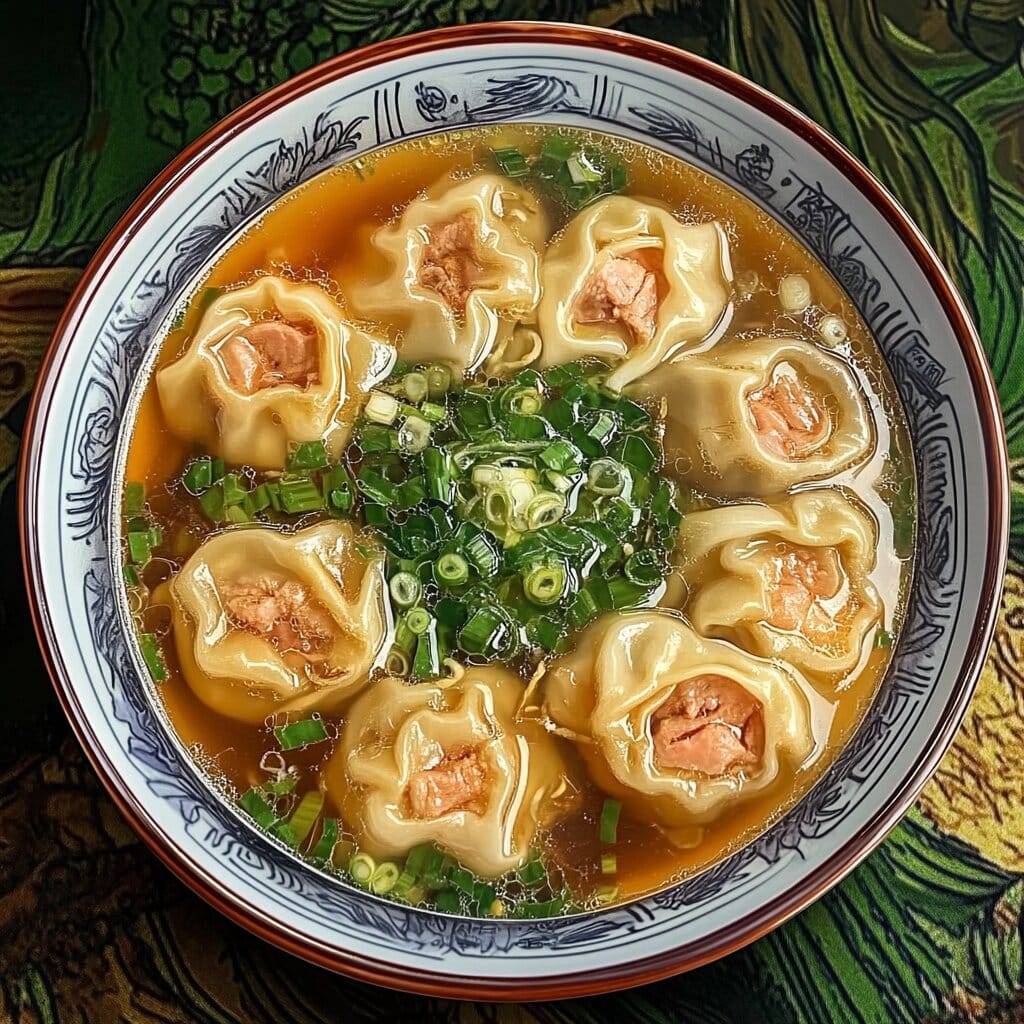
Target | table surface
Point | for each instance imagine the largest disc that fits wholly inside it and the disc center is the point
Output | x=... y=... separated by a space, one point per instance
x=96 y=96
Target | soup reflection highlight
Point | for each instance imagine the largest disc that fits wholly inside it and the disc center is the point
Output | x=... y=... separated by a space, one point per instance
x=518 y=521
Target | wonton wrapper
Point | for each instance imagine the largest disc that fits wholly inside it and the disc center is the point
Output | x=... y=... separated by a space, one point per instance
x=726 y=554
x=243 y=675
x=709 y=425
x=201 y=404
x=625 y=667
x=396 y=729
x=694 y=285
x=510 y=230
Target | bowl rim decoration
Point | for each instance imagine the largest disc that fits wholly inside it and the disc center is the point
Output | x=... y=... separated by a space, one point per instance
x=69 y=474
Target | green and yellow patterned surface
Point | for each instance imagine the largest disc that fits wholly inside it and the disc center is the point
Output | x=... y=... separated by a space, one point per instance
x=95 y=97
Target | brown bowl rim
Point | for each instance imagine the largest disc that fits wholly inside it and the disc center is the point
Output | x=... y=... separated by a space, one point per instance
x=761 y=920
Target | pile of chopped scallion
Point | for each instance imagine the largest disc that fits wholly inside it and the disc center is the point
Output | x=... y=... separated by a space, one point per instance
x=512 y=514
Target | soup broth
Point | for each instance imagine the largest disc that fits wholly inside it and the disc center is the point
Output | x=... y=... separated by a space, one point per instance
x=518 y=521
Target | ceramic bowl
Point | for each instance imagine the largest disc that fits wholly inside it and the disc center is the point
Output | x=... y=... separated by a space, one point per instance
x=75 y=446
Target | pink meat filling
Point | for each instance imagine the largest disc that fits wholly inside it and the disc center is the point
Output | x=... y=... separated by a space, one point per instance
x=623 y=290
x=281 y=612
x=450 y=265
x=457 y=782
x=709 y=724
x=271 y=352
x=789 y=418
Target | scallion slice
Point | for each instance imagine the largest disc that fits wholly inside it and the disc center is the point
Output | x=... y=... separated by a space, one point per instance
x=149 y=645
x=483 y=632
x=296 y=735
x=414 y=434
x=307 y=455
x=405 y=589
x=607 y=477
x=361 y=867
x=254 y=803
x=439 y=380
x=545 y=584
x=328 y=838
x=451 y=570
x=511 y=162
x=418 y=620
x=384 y=877
x=303 y=818
x=883 y=640
x=134 y=499
x=198 y=476
x=299 y=495
x=609 y=864
x=610 y=821
x=381 y=408
x=415 y=386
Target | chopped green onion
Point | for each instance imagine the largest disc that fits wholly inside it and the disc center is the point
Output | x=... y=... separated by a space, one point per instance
x=131 y=574
x=149 y=645
x=418 y=620
x=397 y=662
x=562 y=457
x=378 y=439
x=416 y=859
x=381 y=408
x=414 y=434
x=134 y=499
x=451 y=570
x=545 y=584
x=483 y=632
x=307 y=455
x=280 y=786
x=581 y=169
x=482 y=555
x=254 y=803
x=328 y=838
x=464 y=881
x=638 y=455
x=216 y=470
x=883 y=640
x=234 y=491
x=511 y=162
x=212 y=503
x=295 y=735
x=376 y=486
x=624 y=594
x=609 y=864
x=610 y=821
x=644 y=568
x=606 y=477
x=427 y=662
x=548 y=908
x=439 y=380
x=361 y=867
x=532 y=872
x=433 y=412
x=304 y=816
x=299 y=495
x=198 y=476
x=139 y=542
x=545 y=509
x=405 y=589
x=384 y=877
x=606 y=894
x=415 y=386
x=448 y=902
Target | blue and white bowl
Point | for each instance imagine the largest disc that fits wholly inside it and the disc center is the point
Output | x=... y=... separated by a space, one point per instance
x=76 y=442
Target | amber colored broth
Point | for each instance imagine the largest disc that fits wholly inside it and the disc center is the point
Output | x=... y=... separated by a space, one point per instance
x=322 y=231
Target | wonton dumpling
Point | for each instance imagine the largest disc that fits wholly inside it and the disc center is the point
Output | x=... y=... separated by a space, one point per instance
x=449 y=764
x=628 y=283
x=677 y=726
x=759 y=415
x=266 y=621
x=787 y=580
x=270 y=363
x=463 y=269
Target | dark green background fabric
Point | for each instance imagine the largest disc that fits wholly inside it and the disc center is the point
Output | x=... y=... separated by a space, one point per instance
x=95 y=97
